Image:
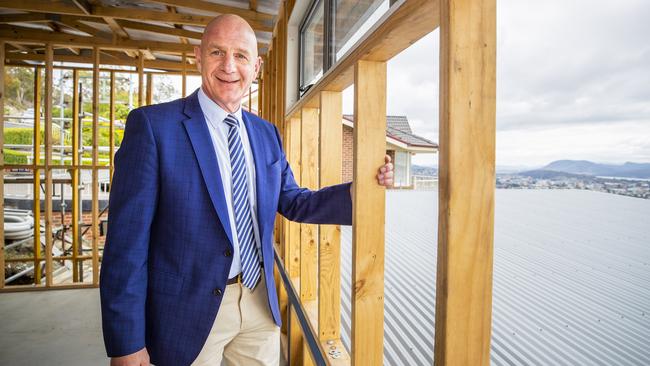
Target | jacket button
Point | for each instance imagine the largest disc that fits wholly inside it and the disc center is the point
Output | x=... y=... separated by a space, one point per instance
x=217 y=292
x=227 y=253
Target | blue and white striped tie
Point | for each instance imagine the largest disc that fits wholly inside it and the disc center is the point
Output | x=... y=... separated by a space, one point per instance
x=249 y=255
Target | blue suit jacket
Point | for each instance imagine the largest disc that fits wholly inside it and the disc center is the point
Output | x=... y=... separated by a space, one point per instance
x=169 y=236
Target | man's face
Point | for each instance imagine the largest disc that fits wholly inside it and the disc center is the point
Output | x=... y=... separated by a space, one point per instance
x=228 y=61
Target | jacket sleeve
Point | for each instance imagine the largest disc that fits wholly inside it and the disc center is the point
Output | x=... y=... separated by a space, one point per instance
x=132 y=205
x=329 y=205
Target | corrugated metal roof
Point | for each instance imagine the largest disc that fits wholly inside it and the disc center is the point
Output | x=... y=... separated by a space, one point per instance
x=571 y=278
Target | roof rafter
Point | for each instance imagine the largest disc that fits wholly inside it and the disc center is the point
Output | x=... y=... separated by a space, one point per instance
x=172 y=9
x=158 y=29
x=60 y=7
x=84 y=5
x=217 y=8
x=31 y=36
x=105 y=59
x=23 y=18
x=72 y=22
x=115 y=27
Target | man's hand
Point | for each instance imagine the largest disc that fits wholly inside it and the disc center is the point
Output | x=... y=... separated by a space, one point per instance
x=140 y=358
x=385 y=174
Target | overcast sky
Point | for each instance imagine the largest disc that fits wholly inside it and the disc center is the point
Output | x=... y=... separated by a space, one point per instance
x=573 y=82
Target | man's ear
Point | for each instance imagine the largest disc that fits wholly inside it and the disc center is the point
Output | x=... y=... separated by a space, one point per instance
x=197 y=57
x=258 y=67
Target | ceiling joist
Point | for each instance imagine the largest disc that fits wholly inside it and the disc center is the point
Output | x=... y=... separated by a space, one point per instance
x=216 y=8
x=84 y=6
x=98 y=11
x=172 y=9
x=104 y=59
x=23 y=18
x=159 y=29
x=31 y=36
x=115 y=27
x=73 y=23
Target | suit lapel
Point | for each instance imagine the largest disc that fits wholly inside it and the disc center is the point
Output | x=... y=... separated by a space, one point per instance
x=259 y=155
x=197 y=130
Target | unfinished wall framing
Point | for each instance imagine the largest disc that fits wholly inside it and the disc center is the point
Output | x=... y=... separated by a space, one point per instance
x=458 y=340
x=81 y=254
x=310 y=129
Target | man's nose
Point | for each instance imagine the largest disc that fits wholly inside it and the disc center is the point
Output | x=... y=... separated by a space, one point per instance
x=228 y=64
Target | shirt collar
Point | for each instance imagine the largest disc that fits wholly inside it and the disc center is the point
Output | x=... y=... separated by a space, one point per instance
x=213 y=112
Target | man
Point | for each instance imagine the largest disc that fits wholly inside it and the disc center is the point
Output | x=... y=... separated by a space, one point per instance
x=187 y=272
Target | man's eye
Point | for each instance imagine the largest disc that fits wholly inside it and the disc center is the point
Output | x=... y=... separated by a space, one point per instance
x=241 y=57
x=217 y=52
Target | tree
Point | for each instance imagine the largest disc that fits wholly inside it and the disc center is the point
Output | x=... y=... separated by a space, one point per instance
x=19 y=87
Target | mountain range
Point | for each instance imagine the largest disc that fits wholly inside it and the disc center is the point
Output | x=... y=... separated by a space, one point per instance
x=565 y=168
x=584 y=167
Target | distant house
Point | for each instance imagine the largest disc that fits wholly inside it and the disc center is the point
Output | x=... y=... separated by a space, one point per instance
x=401 y=144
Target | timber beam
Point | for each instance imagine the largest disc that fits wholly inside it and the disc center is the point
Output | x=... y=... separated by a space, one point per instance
x=105 y=59
x=29 y=36
x=257 y=20
x=217 y=8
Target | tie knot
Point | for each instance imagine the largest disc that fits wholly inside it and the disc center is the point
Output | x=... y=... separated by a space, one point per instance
x=231 y=121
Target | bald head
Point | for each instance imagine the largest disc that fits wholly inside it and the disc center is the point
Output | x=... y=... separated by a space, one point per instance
x=228 y=60
x=233 y=24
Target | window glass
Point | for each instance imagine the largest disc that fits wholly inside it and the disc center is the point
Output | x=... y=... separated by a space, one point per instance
x=312 y=45
x=352 y=19
x=401 y=168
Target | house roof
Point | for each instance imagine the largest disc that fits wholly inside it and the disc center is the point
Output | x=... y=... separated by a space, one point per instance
x=398 y=127
x=571 y=278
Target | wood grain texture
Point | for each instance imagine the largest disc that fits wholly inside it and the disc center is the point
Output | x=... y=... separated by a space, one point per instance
x=296 y=351
x=111 y=117
x=293 y=268
x=309 y=179
x=311 y=311
x=38 y=89
x=329 y=258
x=48 y=160
x=293 y=156
x=24 y=35
x=95 y=162
x=184 y=75
x=170 y=66
x=467 y=179
x=140 y=67
x=309 y=232
x=149 y=89
x=76 y=202
x=257 y=20
x=369 y=202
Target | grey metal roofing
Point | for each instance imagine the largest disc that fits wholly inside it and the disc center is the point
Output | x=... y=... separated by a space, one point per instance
x=571 y=278
x=398 y=127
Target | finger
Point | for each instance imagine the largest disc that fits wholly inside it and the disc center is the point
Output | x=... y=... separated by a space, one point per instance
x=387 y=159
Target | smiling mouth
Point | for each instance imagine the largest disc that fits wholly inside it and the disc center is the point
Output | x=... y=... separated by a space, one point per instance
x=227 y=81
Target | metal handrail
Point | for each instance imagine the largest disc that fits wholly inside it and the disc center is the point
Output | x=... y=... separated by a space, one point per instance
x=294 y=300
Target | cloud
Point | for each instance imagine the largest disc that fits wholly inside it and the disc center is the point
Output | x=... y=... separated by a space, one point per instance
x=563 y=68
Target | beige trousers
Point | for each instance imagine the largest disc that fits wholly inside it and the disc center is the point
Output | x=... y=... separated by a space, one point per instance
x=244 y=332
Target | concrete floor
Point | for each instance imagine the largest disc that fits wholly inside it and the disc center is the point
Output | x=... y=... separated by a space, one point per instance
x=53 y=328
x=58 y=328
